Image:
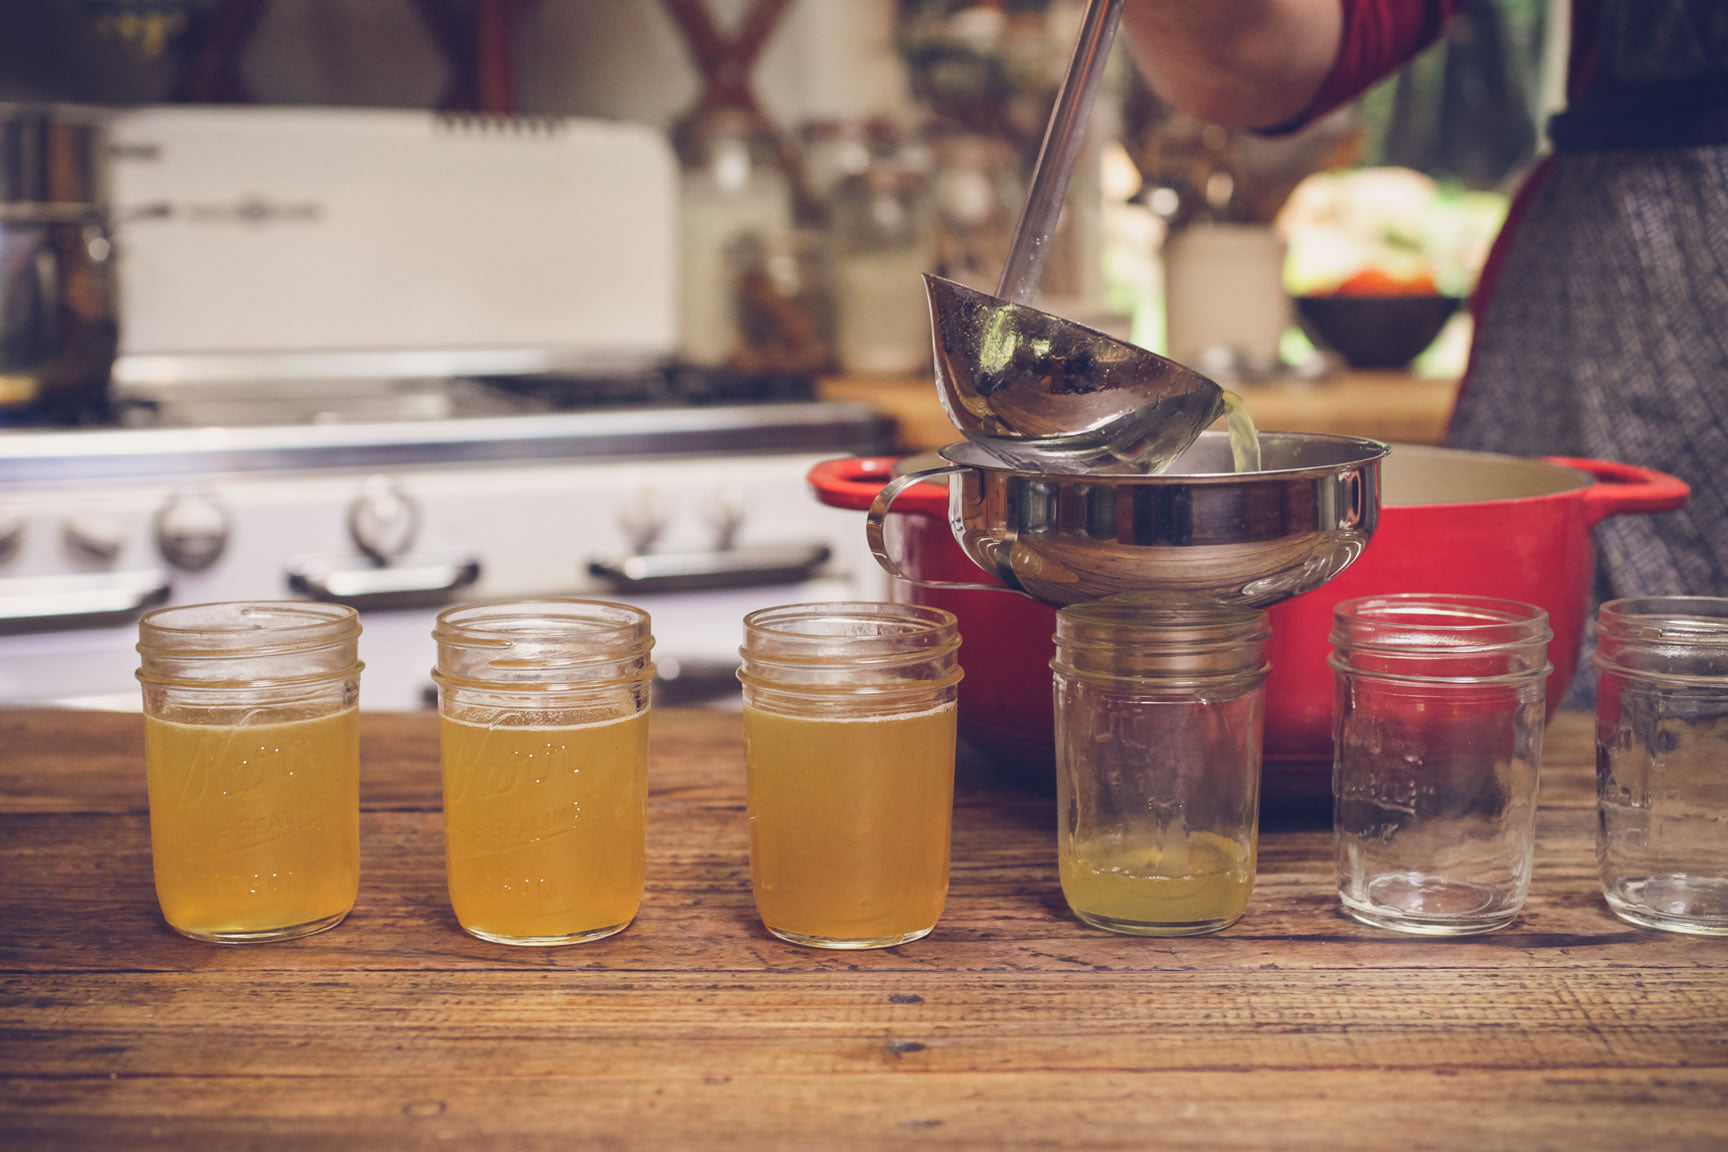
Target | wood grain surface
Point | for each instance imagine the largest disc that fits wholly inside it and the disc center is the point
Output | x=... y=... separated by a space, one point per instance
x=1011 y=1026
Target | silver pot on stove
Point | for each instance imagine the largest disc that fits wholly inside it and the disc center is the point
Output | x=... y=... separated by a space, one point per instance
x=59 y=300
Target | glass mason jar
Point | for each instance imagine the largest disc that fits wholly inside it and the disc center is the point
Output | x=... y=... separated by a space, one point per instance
x=733 y=183
x=1662 y=761
x=251 y=750
x=1159 y=715
x=849 y=729
x=976 y=191
x=783 y=285
x=544 y=734
x=1437 y=735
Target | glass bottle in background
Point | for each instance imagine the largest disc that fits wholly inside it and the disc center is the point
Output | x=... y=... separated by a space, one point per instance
x=830 y=151
x=976 y=192
x=733 y=184
x=782 y=284
x=883 y=231
x=1159 y=715
x=544 y=736
x=252 y=757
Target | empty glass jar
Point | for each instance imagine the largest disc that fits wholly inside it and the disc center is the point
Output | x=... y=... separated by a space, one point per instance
x=1159 y=716
x=1438 y=734
x=1662 y=761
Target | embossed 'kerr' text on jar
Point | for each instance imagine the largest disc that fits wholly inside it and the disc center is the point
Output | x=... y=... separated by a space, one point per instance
x=544 y=730
x=251 y=747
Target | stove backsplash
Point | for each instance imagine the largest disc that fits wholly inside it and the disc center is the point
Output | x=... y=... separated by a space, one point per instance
x=273 y=243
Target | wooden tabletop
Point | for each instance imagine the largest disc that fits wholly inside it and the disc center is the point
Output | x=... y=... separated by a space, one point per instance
x=1010 y=1026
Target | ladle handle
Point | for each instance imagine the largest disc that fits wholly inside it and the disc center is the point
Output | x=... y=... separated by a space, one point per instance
x=874 y=535
x=1062 y=139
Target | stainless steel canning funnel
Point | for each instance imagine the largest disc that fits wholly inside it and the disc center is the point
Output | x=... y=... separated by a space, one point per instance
x=1198 y=534
x=1052 y=395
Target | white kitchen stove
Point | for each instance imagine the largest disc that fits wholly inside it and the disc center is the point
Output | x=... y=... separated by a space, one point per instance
x=697 y=514
x=385 y=359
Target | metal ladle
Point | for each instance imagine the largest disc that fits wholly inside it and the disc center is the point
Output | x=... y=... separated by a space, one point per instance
x=1037 y=390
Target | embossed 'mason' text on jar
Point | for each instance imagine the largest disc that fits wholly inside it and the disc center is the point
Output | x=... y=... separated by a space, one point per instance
x=544 y=730
x=251 y=746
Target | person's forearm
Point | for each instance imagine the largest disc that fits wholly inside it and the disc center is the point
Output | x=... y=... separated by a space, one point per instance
x=1250 y=63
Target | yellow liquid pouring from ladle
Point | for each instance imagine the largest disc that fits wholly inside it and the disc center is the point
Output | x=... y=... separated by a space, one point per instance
x=1045 y=195
x=1244 y=437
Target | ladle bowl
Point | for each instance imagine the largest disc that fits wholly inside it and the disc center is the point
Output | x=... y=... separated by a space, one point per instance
x=1051 y=395
x=1198 y=534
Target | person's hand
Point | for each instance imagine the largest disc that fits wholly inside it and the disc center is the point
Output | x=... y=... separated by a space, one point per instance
x=1245 y=63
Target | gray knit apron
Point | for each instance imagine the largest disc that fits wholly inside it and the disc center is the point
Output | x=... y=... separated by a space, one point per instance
x=1606 y=335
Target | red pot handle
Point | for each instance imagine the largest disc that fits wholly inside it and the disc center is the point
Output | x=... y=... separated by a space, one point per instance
x=1625 y=488
x=854 y=483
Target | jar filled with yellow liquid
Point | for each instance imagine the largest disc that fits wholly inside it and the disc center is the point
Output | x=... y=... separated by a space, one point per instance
x=544 y=728
x=251 y=749
x=1159 y=716
x=849 y=730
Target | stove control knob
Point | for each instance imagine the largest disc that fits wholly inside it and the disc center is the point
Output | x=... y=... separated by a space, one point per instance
x=383 y=519
x=94 y=537
x=11 y=535
x=192 y=530
x=725 y=516
x=642 y=521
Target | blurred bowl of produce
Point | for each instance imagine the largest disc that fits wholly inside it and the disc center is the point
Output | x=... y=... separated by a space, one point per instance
x=1375 y=330
x=1380 y=258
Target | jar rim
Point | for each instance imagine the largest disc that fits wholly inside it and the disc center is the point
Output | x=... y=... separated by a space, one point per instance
x=794 y=621
x=1473 y=612
x=549 y=645
x=222 y=630
x=1680 y=641
x=1438 y=622
x=1672 y=619
x=863 y=632
x=497 y=623
x=850 y=647
x=1162 y=625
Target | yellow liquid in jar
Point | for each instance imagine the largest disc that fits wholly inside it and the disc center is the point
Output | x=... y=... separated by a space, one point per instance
x=1191 y=883
x=1244 y=437
x=544 y=827
x=254 y=829
x=849 y=823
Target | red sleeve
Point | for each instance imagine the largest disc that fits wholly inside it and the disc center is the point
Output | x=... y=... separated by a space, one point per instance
x=1377 y=39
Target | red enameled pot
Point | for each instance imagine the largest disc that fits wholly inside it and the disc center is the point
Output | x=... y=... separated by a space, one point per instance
x=1450 y=521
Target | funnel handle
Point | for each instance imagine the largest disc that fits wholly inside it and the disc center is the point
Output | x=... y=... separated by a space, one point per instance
x=876 y=518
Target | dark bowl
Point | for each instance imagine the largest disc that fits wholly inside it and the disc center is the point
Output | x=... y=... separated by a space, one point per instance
x=1375 y=331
